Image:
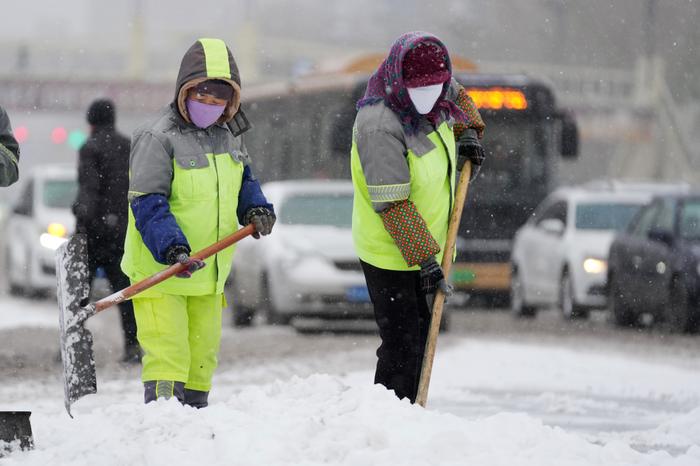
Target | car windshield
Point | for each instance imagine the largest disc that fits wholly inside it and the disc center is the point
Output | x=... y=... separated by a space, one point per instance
x=59 y=194
x=605 y=216
x=317 y=209
x=690 y=220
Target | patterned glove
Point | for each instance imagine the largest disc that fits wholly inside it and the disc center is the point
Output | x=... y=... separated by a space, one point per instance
x=181 y=254
x=263 y=219
x=469 y=148
x=432 y=278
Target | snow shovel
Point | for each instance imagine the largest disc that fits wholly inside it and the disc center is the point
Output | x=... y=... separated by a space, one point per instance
x=436 y=316
x=79 y=376
x=14 y=425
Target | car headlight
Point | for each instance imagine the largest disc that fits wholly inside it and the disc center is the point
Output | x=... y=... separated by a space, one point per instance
x=54 y=236
x=594 y=265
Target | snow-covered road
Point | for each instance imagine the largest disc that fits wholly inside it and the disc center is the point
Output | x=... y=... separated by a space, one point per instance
x=506 y=397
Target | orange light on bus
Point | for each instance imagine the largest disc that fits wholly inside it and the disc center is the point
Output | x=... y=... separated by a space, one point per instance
x=498 y=98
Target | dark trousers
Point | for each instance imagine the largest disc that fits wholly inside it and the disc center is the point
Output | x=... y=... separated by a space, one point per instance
x=403 y=316
x=118 y=281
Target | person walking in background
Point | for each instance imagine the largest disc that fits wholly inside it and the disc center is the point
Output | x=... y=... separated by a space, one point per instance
x=191 y=185
x=9 y=152
x=403 y=163
x=101 y=207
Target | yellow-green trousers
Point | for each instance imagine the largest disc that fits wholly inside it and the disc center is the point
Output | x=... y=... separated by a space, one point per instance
x=180 y=337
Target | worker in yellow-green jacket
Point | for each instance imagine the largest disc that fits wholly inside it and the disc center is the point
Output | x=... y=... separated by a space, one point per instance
x=404 y=161
x=190 y=186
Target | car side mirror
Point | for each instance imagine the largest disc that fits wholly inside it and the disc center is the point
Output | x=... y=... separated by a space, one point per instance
x=21 y=209
x=553 y=226
x=661 y=235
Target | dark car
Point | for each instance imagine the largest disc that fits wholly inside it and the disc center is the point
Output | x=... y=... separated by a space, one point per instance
x=654 y=265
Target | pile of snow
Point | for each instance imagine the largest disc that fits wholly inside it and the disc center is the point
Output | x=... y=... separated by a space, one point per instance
x=540 y=368
x=490 y=403
x=316 y=420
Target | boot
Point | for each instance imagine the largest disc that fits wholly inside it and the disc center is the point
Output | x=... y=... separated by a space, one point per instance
x=154 y=389
x=196 y=398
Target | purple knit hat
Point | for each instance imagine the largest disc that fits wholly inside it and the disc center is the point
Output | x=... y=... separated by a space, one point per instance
x=388 y=84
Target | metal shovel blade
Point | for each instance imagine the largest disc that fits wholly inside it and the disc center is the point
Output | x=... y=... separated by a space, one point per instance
x=73 y=287
x=14 y=425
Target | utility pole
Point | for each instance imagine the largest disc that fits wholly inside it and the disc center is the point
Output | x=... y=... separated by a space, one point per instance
x=649 y=29
x=137 y=46
x=559 y=30
x=246 y=43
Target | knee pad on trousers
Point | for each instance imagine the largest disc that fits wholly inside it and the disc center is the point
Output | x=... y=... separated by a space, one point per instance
x=154 y=389
x=196 y=398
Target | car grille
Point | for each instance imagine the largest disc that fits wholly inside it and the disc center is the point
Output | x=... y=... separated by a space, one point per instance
x=353 y=265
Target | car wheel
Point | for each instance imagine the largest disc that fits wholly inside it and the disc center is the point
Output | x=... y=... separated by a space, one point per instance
x=569 y=309
x=243 y=316
x=682 y=316
x=271 y=315
x=13 y=288
x=518 y=307
x=620 y=312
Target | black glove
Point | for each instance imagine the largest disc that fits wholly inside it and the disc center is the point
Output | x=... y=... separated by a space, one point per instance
x=181 y=254
x=432 y=278
x=262 y=218
x=469 y=148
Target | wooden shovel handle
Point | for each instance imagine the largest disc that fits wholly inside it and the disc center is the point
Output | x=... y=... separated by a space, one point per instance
x=153 y=280
x=436 y=315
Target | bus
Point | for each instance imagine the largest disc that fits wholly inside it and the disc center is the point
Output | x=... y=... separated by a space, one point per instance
x=303 y=129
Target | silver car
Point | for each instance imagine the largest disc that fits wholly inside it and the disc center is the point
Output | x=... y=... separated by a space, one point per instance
x=560 y=256
x=39 y=221
x=308 y=266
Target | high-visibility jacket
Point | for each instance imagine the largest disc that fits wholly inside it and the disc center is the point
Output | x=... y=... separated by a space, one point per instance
x=192 y=173
x=423 y=172
x=203 y=198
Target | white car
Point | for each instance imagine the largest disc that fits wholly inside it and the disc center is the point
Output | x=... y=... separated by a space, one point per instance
x=308 y=266
x=560 y=256
x=39 y=221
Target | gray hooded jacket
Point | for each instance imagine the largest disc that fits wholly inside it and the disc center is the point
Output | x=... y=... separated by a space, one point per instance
x=9 y=152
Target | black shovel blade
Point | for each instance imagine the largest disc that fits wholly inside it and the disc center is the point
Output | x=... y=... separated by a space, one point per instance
x=73 y=287
x=14 y=425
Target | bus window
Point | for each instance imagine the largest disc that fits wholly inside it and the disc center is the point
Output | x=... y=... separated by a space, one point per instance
x=513 y=162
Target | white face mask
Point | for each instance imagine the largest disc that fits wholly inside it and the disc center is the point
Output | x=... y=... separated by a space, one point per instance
x=424 y=98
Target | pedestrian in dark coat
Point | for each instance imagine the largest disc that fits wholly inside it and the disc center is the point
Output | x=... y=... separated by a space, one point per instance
x=101 y=207
x=9 y=152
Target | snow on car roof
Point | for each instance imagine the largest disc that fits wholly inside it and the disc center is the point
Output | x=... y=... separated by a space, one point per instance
x=54 y=171
x=276 y=189
x=616 y=190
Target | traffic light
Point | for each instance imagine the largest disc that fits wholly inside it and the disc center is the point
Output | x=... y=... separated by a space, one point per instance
x=21 y=133
x=76 y=139
x=59 y=135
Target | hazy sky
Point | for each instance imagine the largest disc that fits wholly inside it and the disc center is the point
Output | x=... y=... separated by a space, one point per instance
x=275 y=37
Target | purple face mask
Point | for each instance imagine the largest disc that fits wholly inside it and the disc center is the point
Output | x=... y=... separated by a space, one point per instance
x=203 y=115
